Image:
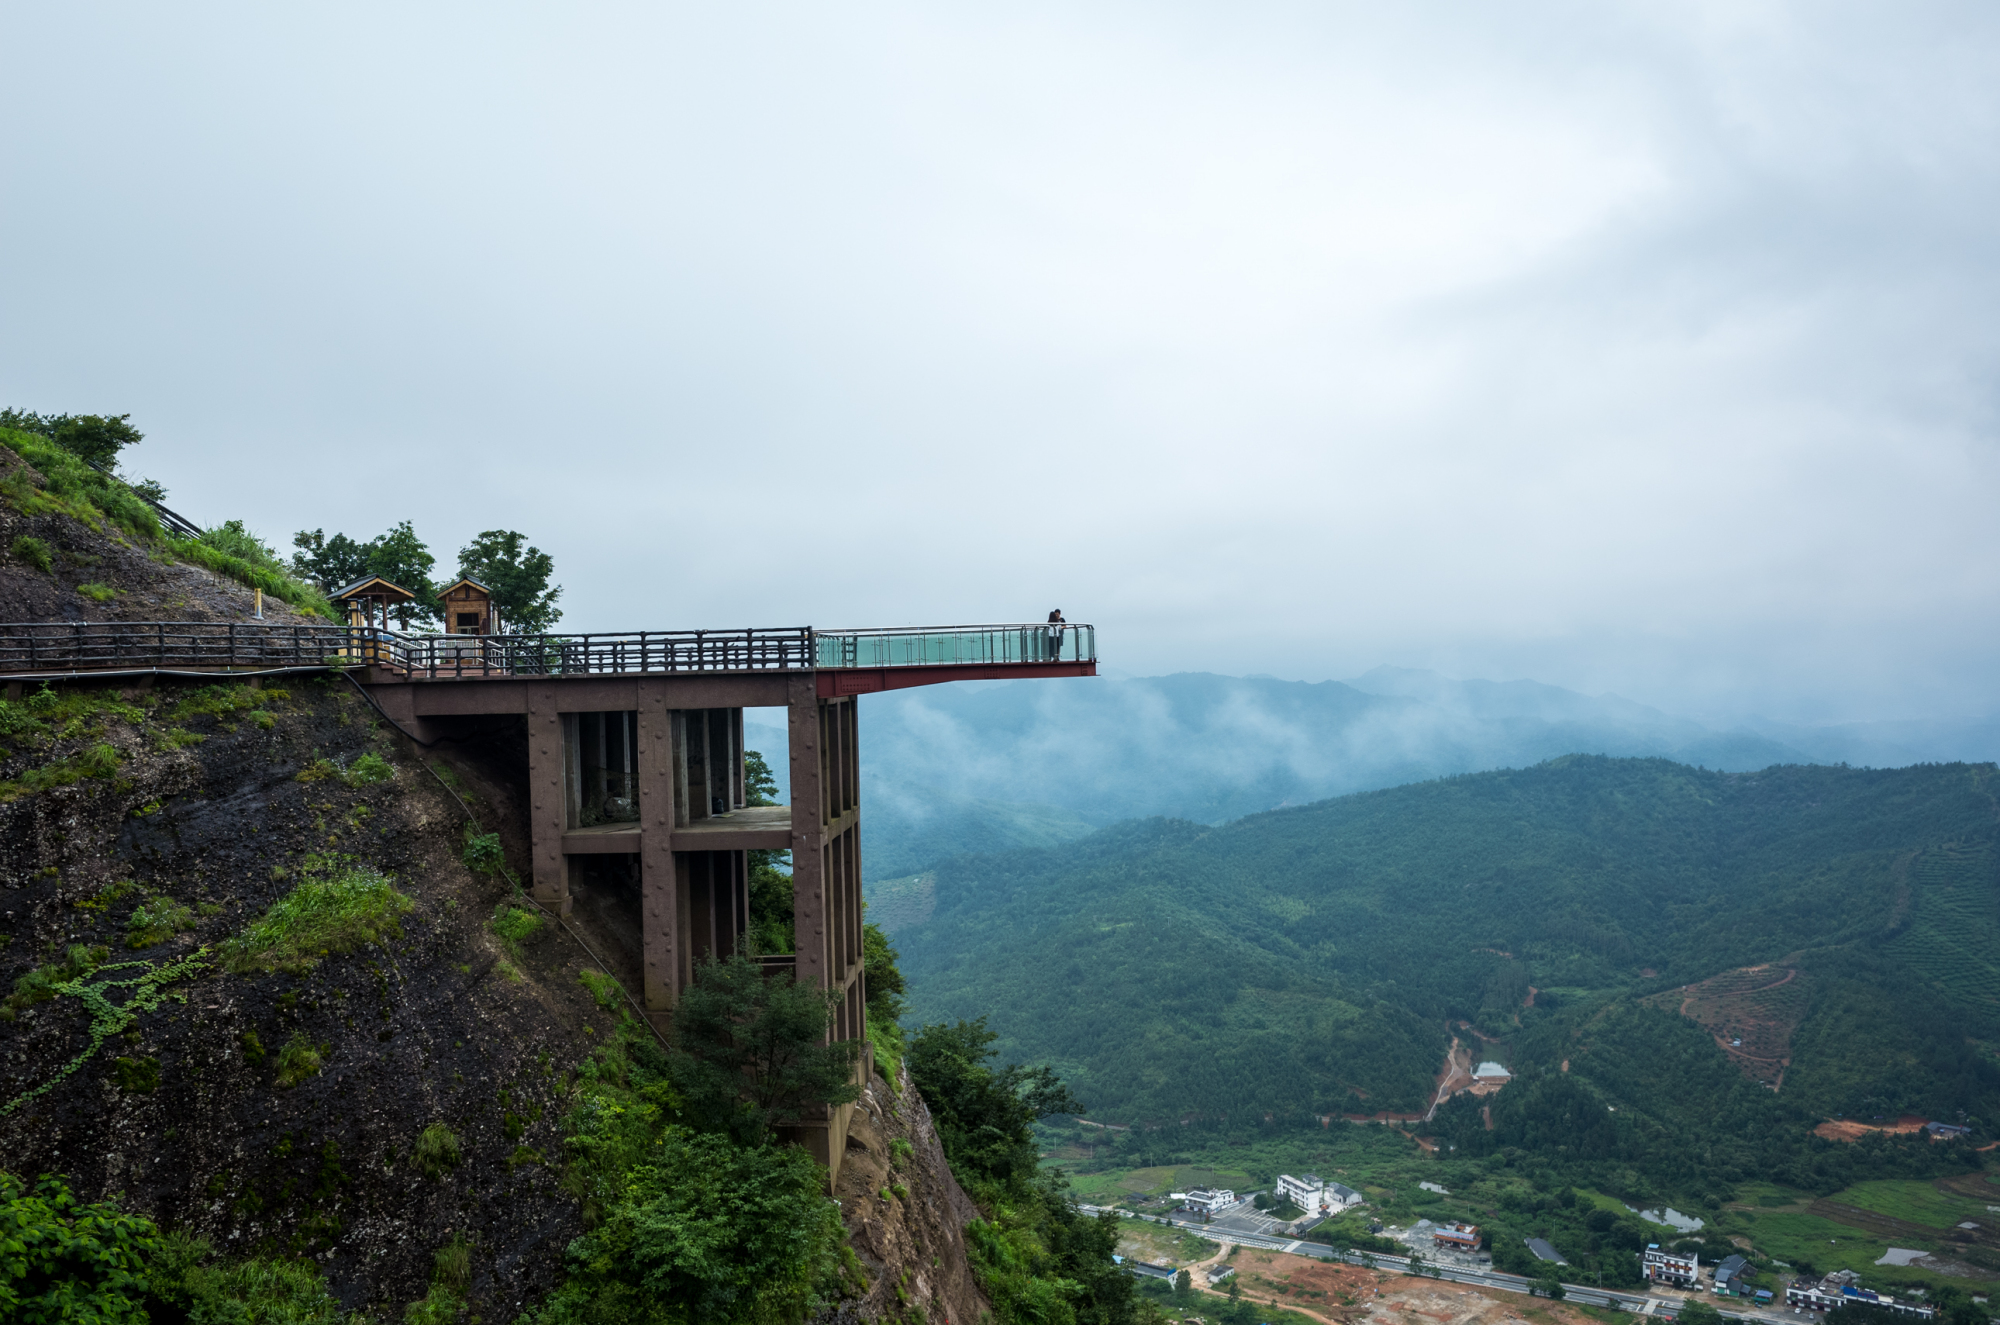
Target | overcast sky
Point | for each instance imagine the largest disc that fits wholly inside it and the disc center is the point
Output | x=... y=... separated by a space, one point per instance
x=1641 y=348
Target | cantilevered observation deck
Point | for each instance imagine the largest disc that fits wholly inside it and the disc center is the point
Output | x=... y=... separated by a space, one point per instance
x=634 y=746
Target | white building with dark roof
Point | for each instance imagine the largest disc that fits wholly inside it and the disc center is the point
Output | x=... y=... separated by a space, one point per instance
x=1670 y=1267
x=1316 y=1196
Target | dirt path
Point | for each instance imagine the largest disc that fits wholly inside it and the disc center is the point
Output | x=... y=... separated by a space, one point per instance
x=1454 y=1076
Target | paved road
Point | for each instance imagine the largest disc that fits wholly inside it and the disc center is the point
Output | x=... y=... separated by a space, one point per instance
x=1661 y=1308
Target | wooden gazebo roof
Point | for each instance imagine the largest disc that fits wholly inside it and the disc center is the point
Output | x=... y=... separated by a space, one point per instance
x=373 y=586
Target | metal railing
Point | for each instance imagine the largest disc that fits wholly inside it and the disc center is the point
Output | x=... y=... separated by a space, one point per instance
x=178 y=525
x=944 y=646
x=450 y=656
x=29 y=648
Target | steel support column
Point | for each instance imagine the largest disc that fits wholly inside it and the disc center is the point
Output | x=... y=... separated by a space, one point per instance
x=545 y=799
x=659 y=903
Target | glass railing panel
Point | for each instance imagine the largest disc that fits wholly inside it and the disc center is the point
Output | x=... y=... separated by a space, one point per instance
x=959 y=645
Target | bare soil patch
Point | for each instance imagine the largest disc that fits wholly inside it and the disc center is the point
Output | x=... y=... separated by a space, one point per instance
x=1349 y=1295
x=1751 y=1011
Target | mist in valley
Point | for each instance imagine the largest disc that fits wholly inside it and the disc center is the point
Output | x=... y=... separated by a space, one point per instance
x=966 y=769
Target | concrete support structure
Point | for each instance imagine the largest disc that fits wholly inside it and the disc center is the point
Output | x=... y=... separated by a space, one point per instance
x=646 y=765
x=690 y=829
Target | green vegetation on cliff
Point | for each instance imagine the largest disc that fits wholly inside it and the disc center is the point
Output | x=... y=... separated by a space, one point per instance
x=1041 y=1260
x=62 y=483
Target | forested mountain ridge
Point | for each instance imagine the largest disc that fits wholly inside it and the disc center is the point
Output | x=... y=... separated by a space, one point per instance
x=956 y=769
x=1310 y=960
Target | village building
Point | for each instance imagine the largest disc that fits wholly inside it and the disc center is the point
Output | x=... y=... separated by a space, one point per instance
x=1839 y=1290
x=1456 y=1237
x=1207 y=1200
x=1669 y=1267
x=1315 y=1195
x=1545 y=1251
x=1730 y=1278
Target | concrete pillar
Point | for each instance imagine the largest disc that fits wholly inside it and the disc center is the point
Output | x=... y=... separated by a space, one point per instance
x=545 y=799
x=808 y=831
x=659 y=903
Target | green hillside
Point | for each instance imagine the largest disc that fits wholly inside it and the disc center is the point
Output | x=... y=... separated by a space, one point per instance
x=1319 y=959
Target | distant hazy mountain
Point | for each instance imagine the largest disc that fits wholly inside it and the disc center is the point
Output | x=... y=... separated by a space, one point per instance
x=954 y=769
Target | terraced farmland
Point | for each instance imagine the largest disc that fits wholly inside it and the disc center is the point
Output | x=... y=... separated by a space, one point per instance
x=1951 y=936
x=1752 y=1012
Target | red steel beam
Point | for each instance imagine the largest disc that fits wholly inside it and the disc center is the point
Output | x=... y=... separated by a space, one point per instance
x=872 y=680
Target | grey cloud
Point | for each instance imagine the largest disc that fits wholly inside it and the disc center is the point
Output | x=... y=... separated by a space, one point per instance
x=1638 y=349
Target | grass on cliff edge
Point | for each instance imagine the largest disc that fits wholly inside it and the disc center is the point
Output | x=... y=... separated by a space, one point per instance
x=341 y=904
x=70 y=487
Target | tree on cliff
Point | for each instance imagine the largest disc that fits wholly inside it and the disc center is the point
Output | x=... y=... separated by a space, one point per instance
x=398 y=556
x=97 y=438
x=984 y=1115
x=748 y=1051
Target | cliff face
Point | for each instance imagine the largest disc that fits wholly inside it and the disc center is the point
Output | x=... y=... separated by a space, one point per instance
x=188 y=1112
x=905 y=1213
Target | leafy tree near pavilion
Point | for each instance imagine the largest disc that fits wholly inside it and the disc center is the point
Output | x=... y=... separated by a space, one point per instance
x=398 y=556
x=518 y=575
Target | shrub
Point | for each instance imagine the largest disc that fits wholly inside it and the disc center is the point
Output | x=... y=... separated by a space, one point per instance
x=98 y=761
x=452 y=1266
x=70 y=1262
x=299 y=1059
x=482 y=854
x=370 y=770
x=156 y=921
x=223 y=549
x=34 y=552
x=607 y=991
x=99 y=593
x=440 y=1306
x=39 y=985
x=338 y=906
x=706 y=1230
x=216 y=701
x=515 y=924
x=232 y=539
x=141 y=1076
x=109 y=894
x=255 y=1290
x=70 y=487
x=436 y=1150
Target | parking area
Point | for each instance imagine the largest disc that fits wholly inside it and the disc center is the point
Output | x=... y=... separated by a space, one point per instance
x=1243 y=1217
